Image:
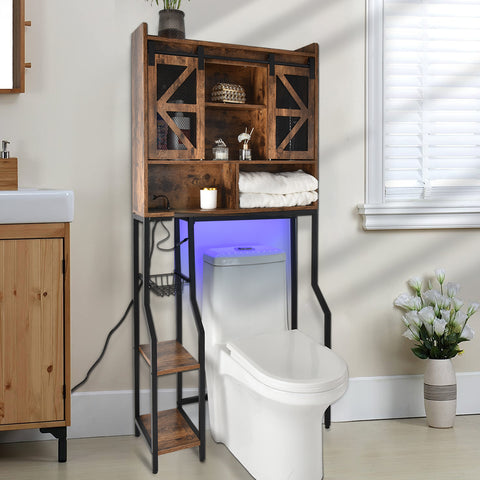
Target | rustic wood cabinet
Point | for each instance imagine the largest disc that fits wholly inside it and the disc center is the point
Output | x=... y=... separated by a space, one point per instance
x=175 y=124
x=34 y=329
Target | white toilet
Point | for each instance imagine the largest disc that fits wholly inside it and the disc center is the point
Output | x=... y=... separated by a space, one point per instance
x=268 y=387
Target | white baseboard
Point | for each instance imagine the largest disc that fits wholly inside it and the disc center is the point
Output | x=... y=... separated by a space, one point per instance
x=401 y=396
x=97 y=414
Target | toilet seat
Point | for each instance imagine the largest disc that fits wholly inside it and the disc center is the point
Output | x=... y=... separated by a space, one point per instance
x=289 y=361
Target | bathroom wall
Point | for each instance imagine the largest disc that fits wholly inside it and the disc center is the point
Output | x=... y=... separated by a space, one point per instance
x=72 y=130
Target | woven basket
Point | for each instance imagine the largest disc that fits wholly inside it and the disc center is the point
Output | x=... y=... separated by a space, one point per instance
x=228 y=93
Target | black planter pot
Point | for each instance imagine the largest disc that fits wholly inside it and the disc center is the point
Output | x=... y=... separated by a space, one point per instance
x=171 y=23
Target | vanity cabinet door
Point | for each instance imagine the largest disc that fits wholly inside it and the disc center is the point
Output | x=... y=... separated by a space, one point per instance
x=292 y=113
x=176 y=91
x=31 y=331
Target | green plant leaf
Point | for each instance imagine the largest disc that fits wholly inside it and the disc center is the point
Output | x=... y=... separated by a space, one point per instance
x=420 y=352
x=452 y=338
x=423 y=333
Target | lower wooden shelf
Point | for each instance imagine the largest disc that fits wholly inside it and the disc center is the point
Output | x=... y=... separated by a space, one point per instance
x=171 y=358
x=174 y=433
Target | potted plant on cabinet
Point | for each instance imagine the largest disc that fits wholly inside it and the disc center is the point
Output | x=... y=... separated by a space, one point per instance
x=171 y=19
x=435 y=321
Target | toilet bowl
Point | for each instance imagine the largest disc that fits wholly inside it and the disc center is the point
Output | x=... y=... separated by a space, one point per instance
x=268 y=387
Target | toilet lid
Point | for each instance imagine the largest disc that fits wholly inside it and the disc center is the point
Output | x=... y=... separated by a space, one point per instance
x=290 y=361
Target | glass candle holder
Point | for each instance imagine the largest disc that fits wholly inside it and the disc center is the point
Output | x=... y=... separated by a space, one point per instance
x=208 y=198
x=220 y=153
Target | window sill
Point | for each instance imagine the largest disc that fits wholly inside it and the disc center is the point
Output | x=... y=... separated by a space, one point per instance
x=420 y=215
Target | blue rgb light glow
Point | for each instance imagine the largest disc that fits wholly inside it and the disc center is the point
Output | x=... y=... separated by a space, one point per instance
x=228 y=233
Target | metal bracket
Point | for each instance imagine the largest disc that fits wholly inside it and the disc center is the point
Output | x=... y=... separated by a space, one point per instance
x=271 y=62
x=311 y=65
x=201 y=57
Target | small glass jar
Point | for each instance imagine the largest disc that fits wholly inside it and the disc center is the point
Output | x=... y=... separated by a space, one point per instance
x=245 y=154
x=220 y=153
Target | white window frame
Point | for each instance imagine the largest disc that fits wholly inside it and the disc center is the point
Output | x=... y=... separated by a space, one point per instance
x=378 y=214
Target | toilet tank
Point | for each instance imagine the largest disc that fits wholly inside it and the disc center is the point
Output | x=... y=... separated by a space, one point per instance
x=244 y=292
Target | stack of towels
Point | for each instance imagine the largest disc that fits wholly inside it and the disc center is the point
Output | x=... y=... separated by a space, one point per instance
x=284 y=189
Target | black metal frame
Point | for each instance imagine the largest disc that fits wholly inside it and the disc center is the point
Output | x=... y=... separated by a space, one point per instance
x=191 y=219
x=152 y=438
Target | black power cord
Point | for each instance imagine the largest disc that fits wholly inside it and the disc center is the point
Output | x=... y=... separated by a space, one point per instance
x=117 y=326
x=110 y=333
x=164 y=239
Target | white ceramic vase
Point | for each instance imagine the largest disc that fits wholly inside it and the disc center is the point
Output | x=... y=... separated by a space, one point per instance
x=440 y=393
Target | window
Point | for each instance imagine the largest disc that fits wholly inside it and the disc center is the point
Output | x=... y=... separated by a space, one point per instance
x=423 y=114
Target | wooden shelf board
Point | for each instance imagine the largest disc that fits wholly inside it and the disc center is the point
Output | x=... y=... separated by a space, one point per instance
x=171 y=358
x=208 y=162
x=174 y=433
x=239 y=211
x=235 y=106
x=159 y=213
x=218 y=212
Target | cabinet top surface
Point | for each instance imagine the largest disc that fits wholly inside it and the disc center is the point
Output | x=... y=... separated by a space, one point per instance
x=305 y=52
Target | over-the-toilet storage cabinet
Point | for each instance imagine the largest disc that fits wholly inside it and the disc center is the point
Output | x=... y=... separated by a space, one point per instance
x=172 y=82
x=34 y=329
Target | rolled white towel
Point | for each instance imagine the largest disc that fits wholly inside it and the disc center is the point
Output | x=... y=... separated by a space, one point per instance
x=269 y=200
x=277 y=183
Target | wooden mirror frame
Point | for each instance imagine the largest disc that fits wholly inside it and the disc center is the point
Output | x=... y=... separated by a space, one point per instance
x=19 y=64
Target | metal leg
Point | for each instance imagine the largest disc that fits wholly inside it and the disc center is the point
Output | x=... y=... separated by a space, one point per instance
x=153 y=345
x=201 y=337
x=321 y=298
x=136 y=324
x=61 y=434
x=178 y=302
x=294 y=270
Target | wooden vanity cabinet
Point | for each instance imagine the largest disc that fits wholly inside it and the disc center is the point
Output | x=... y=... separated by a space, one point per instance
x=35 y=328
x=175 y=122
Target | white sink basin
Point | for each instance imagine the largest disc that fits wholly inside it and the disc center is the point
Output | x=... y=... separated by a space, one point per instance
x=36 y=206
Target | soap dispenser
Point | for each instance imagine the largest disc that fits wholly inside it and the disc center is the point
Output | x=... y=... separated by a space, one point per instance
x=8 y=169
x=5 y=153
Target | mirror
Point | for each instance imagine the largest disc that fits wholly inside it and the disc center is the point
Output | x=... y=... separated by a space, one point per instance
x=6 y=44
x=12 y=46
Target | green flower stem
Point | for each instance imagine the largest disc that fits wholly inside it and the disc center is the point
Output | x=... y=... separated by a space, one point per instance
x=170 y=4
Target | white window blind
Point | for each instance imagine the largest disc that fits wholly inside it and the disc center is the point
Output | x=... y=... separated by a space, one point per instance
x=431 y=99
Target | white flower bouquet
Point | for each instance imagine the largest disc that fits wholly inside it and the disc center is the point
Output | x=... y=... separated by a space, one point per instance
x=434 y=318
